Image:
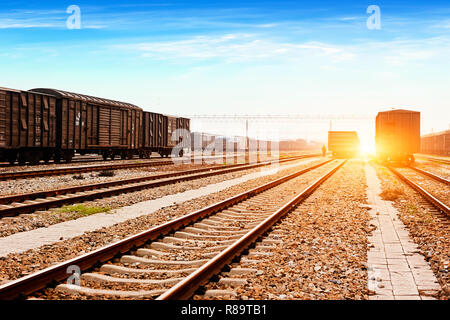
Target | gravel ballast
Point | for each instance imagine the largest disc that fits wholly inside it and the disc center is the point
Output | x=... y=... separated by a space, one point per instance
x=27 y=222
x=441 y=170
x=323 y=254
x=14 y=266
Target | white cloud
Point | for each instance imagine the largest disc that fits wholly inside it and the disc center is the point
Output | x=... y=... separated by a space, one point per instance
x=22 y=25
x=232 y=47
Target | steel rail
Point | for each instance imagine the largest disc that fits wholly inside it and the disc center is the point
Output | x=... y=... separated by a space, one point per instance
x=82 y=169
x=51 y=193
x=427 y=195
x=431 y=175
x=186 y=288
x=43 y=199
x=91 y=168
x=39 y=280
x=423 y=157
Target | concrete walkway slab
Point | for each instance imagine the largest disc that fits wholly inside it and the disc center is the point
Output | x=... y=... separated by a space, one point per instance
x=396 y=269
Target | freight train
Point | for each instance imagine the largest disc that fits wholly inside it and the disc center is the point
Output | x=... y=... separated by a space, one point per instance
x=43 y=124
x=397 y=135
x=437 y=143
x=343 y=144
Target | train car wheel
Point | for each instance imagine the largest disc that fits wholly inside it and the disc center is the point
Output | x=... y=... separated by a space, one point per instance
x=68 y=156
x=11 y=157
x=57 y=157
x=47 y=157
x=35 y=157
x=22 y=158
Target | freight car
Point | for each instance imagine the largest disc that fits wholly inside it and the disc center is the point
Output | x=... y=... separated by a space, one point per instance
x=436 y=143
x=159 y=135
x=343 y=144
x=42 y=124
x=27 y=126
x=200 y=141
x=94 y=125
x=397 y=135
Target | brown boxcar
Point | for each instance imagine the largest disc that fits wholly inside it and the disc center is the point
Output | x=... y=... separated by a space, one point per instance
x=174 y=138
x=153 y=133
x=343 y=144
x=436 y=143
x=159 y=134
x=27 y=126
x=397 y=135
x=185 y=138
x=88 y=124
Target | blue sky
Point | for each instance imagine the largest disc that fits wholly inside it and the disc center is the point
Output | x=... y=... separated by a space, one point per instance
x=197 y=57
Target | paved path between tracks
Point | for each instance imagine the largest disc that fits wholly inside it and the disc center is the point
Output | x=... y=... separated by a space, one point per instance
x=396 y=269
x=23 y=241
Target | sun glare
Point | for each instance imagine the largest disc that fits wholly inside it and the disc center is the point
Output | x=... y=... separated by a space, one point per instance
x=368 y=148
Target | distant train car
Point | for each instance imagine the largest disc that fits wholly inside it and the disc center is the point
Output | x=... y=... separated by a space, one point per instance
x=200 y=141
x=27 y=126
x=397 y=135
x=173 y=138
x=88 y=124
x=153 y=134
x=159 y=135
x=436 y=143
x=343 y=144
x=41 y=124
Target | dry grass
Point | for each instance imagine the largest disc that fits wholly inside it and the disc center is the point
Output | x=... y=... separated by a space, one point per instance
x=82 y=210
x=391 y=194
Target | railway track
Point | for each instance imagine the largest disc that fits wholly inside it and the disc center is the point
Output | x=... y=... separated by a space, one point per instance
x=77 y=159
x=431 y=175
x=414 y=177
x=92 y=168
x=81 y=169
x=25 y=203
x=438 y=160
x=74 y=160
x=172 y=260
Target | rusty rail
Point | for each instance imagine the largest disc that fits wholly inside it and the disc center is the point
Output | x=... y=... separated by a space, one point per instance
x=186 y=288
x=42 y=199
x=431 y=175
x=423 y=157
x=427 y=195
x=91 y=168
x=39 y=280
x=81 y=169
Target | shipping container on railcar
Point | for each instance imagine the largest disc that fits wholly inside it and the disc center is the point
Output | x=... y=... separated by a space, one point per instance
x=343 y=144
x=437 y=143
x=27 y=126
x=88 y=124
x=397 y=135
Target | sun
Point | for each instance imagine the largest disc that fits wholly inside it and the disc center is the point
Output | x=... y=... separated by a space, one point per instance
x=367 y=148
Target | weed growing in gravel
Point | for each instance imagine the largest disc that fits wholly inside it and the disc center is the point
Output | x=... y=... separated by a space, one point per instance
x=391 y=194
x=412 y=209
x=82 y=210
